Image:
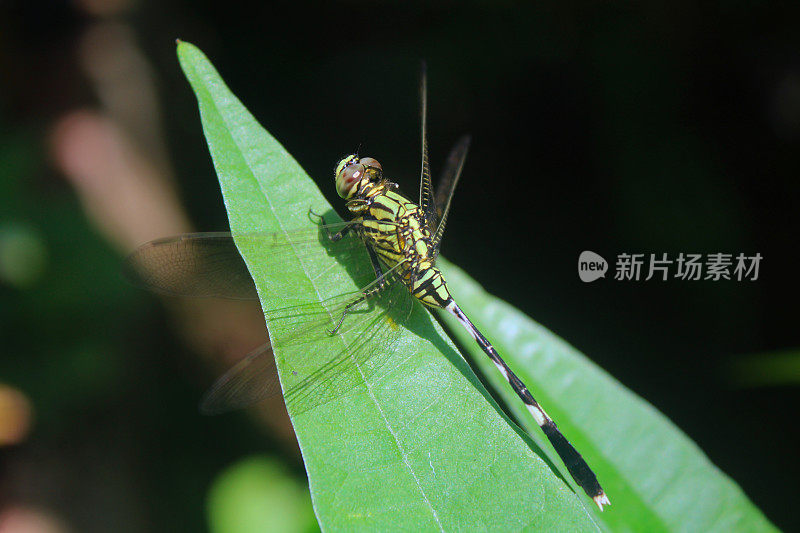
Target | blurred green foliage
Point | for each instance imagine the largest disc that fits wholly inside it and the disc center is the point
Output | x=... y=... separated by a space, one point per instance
x=258 y=495
x=61 y=303
x=117 y=437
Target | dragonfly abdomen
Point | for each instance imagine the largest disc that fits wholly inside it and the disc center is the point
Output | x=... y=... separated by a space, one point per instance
x=575 y=463
x=430 y=288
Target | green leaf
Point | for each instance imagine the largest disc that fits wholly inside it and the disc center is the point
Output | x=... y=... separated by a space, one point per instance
x=258 y=495
x=656 y=477
x=417 y=446
x=420 y=446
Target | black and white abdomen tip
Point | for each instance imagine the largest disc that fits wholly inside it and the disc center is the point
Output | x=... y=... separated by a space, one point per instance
x=575 y=463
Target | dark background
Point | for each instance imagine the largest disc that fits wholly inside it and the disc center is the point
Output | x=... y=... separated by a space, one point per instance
x=625 y=127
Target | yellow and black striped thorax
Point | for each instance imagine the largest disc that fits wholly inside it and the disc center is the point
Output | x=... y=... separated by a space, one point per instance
x=396 y=230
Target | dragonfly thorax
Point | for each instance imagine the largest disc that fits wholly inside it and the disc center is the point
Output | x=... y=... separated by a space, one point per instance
x=352 y=173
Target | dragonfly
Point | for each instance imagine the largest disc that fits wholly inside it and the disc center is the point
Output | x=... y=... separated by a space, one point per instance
x=390 y=240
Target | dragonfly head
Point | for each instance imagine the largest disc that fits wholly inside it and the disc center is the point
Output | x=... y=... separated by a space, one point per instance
x=351 y=173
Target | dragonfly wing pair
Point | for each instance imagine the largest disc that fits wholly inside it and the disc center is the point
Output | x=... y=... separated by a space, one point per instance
x=209 y=265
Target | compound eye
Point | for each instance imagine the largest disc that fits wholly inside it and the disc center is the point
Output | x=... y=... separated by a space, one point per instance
x=352 y=173
x=348 y=178
x=370 y=162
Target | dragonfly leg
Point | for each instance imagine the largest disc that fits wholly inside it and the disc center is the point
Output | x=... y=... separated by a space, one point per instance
x=339 y=234
x=332 y=236
x=376 y=265
x=344 y=313
x=312 y=213
x=381 y=282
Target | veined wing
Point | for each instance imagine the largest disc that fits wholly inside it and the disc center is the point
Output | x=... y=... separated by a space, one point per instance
x=209 y=264
x=426 y=200
x=447 y=186
x=249 y=381
x=361 y=346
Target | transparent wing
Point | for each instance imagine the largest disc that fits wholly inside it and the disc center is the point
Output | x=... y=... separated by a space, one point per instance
x=193 y=264
x=359 y=348
x=249 y=381
x=426 y=200
x=447 y=186
x=209 y=264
